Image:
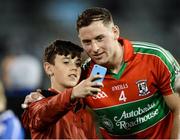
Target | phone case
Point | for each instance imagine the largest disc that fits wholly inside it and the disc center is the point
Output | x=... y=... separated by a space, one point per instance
x=97 y=69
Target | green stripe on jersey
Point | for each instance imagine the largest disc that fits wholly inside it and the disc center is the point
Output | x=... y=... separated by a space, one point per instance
x=133 y=117
x=118 y=75
x=164 y=55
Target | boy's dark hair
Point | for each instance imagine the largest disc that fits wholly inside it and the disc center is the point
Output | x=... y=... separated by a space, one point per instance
x=61 y=47
x=93 y=14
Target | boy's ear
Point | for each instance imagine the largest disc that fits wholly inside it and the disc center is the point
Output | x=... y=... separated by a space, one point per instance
x=48 y=68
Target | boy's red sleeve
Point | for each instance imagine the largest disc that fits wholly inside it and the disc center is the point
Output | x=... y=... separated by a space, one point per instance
x=48 y=110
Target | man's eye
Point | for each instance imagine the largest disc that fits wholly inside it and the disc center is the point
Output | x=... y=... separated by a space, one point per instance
x=99 y=39
x=65 y=62
x=87 y=42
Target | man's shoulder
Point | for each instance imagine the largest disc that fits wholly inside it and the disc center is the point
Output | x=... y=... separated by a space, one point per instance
x=150 y=49
x=157 y=51
x=146 y=45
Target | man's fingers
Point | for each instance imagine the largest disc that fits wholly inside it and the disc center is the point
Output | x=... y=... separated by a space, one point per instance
x=27 y=99
x=24 y=106
x=26 y=102
x=39 y=90
x=35 y=96
x=32 y=97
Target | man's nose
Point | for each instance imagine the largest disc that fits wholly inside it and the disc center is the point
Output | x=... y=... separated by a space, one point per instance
x=95 y=46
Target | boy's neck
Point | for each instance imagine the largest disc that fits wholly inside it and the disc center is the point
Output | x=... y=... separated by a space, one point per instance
x=58 y=87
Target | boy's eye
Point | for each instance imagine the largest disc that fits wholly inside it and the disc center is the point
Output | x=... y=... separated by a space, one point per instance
x=78 y=64
x=66 y=62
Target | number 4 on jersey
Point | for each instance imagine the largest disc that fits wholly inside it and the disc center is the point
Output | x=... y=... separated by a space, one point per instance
x=122 y=96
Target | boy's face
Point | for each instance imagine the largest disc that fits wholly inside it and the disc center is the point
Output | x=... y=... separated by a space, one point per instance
x=66 y=72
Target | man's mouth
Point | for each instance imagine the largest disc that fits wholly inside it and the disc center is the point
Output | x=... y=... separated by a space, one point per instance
x=98 y=56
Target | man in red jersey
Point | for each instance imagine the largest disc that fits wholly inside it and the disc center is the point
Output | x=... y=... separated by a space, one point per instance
x=138 y=99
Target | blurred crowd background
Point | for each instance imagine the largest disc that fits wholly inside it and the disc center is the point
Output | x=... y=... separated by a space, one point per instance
x=27 y=27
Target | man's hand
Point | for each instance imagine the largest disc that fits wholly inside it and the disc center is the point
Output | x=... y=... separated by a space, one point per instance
x=32 y=97
x=87 y=87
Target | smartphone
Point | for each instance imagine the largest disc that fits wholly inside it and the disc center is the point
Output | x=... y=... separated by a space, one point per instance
x=99 y=70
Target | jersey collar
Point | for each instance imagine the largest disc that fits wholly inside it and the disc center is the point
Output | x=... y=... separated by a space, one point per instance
x=128 y=49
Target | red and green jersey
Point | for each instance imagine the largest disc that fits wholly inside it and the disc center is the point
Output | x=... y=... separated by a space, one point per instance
x=131 y=103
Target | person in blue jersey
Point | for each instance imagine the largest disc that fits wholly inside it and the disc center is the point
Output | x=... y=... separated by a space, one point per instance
x=10 y=126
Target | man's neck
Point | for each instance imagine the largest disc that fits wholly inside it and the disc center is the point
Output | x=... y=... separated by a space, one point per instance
x=118 y=59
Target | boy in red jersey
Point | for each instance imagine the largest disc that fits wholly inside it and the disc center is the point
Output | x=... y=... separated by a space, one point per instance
x=138 y=99
x=60 y=115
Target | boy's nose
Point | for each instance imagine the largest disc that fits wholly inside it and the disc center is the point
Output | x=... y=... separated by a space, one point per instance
x=74 y=67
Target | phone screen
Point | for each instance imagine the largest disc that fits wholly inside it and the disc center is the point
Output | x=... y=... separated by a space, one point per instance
x=99 y=70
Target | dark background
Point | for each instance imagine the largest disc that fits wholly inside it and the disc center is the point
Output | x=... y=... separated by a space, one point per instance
x=28 y=26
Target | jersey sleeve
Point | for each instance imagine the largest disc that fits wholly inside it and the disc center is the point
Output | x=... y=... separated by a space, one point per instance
x=168 y=70
x=47 y=111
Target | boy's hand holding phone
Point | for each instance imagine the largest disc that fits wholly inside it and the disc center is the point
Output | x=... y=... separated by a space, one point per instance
x=91 y=85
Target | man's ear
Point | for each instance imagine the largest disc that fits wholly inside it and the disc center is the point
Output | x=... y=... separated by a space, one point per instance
x=48 y=69
x=116 y=31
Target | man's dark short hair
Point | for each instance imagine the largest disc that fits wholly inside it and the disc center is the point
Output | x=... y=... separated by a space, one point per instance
x=61 y=47
x=93 y=14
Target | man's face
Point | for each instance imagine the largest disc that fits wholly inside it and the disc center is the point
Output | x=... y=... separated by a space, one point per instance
x=66 y=71
x=99 y=41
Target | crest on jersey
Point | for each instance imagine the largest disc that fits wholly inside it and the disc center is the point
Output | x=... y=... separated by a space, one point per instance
x=107 y=123
x=142 y=87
